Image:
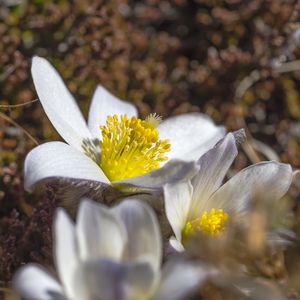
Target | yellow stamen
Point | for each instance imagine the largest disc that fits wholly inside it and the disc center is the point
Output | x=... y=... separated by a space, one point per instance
x=211 y=223
x=130 y=147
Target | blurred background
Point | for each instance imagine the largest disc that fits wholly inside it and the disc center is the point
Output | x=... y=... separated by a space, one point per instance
x=236 y=60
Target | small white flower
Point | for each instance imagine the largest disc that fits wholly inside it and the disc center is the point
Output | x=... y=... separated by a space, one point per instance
x=110 y=254
x=205 y=204
x=131 y=150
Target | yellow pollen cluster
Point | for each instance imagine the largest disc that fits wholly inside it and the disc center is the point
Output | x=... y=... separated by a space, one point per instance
x=211 y=223
x=130 y=147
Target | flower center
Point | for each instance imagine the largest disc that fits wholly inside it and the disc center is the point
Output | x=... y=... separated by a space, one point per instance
x=211 y=223
x=131 y=146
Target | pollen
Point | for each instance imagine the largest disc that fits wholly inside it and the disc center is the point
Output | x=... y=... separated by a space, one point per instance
x=153 y=119
x=131 y=147
x=210 y=223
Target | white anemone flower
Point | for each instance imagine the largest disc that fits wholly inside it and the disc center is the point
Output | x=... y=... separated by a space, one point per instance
x=114 y=146
x=204 y=204
x=109 y=254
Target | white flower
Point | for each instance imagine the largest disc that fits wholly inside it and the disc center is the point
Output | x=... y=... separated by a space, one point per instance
x=110 y=254
x=205 y=204
x=189 y=135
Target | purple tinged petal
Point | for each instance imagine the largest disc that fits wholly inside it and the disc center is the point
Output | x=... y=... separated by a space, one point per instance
x=110 y=280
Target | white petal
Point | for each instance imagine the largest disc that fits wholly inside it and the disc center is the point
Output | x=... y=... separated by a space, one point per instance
x=190 y=135
x=171 y=172
x=57 y=159
x=214 y=165
x=33 y=282
x=180 y=278
x=175 y=244
x=66 y=255
x=110 y=280
x=58 y=103
x=100 y=234
x=105 y=104
x=268 y=180
x=144 y=238
x=177 y=204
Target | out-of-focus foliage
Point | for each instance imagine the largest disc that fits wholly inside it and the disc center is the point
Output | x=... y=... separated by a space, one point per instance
x=236 y=60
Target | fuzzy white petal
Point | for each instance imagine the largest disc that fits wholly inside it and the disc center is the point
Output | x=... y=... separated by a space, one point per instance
x=214 y=165
x=100 y=234
x=177 y=204
x=57 y=159
x=190 y=135
x=58 y=103
x=171 y=172
x=66 y=255
x=266 y=180
x=105 y=104
x=33 y=282
x=180 y=278
x=143 y=231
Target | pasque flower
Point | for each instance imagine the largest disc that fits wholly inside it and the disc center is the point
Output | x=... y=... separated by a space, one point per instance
x=115 y=146
x=204 y=204
x=109 y=254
